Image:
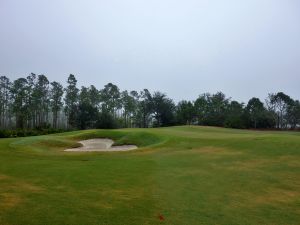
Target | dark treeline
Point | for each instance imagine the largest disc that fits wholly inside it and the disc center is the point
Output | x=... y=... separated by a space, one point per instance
x=36 y=103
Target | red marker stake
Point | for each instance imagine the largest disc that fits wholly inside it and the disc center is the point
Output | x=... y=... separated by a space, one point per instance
x=161 y=217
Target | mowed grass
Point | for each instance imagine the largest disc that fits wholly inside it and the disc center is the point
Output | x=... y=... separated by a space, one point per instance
x=179 y=175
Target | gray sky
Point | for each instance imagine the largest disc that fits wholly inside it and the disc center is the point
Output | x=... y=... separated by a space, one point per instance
x=180 y=47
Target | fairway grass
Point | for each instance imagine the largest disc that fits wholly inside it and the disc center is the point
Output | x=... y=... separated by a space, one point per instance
x=178 y=176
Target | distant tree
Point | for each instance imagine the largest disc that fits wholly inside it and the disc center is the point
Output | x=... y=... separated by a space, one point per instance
x=217 y=109
x=201 y=106
x=89 y=96
x=136 y=116
x=32 y=100
x=255 y=109
x=5 y=87
x=278 y=104
x=145 y=108
x=94 y=96
x=41 y=100
x=211 y=109
x=293 y=114
x=185 y=112
x=110 y=98
x=87 y=113
x=128 y=104
x=19 y=106
x=84 y=96
x=71 y=100
x=87 y=116
x=56 y=103
x=163 y=109
x=106 y=121
x=234 y=115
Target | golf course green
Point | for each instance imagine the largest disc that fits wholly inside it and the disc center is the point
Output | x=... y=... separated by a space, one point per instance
x=178 y=175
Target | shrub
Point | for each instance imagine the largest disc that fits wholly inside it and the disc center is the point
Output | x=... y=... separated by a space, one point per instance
x=5 y=133
x=28 y=132
x=106 y=121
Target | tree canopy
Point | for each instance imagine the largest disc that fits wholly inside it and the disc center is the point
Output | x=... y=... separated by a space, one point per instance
x=35 y=102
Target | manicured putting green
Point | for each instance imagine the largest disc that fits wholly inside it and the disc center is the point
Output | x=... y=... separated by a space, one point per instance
x=178 y=175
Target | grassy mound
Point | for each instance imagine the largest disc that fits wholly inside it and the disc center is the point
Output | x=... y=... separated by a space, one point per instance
x=179 y=175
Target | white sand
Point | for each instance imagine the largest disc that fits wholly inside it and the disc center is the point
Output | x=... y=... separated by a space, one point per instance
x=100 y=145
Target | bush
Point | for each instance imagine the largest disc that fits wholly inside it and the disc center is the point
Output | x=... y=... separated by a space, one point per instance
x=234 y=122
x=106 y=121
x=5 y=133
x=30 y=132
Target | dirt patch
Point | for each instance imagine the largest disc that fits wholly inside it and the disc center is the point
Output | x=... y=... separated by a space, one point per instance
x=250 y=164
x=277 y=196
x=208 y=151
x=217 y=150
x=292 y=161
x=15 y=184
x=3 y=177
x=13 y=192
x=266 y=162
x=9 y=200
x=100 y=145
x=28 y=187
x=271 y=196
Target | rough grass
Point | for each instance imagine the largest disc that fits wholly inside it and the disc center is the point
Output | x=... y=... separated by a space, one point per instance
x=185 y=175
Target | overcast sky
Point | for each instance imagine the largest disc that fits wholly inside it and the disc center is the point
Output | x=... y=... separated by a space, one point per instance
x=180 y=47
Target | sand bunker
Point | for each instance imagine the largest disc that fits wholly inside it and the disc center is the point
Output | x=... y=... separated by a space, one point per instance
x=100 y=145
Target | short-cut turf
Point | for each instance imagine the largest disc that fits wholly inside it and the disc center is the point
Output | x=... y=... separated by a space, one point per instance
x=179 y=175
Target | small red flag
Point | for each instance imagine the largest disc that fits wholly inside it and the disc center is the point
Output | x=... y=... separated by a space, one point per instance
x=161 y=217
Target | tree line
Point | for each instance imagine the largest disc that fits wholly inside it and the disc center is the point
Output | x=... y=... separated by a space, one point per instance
x=36 y=103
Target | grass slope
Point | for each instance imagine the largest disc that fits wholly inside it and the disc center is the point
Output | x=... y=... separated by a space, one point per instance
x=188 y=175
